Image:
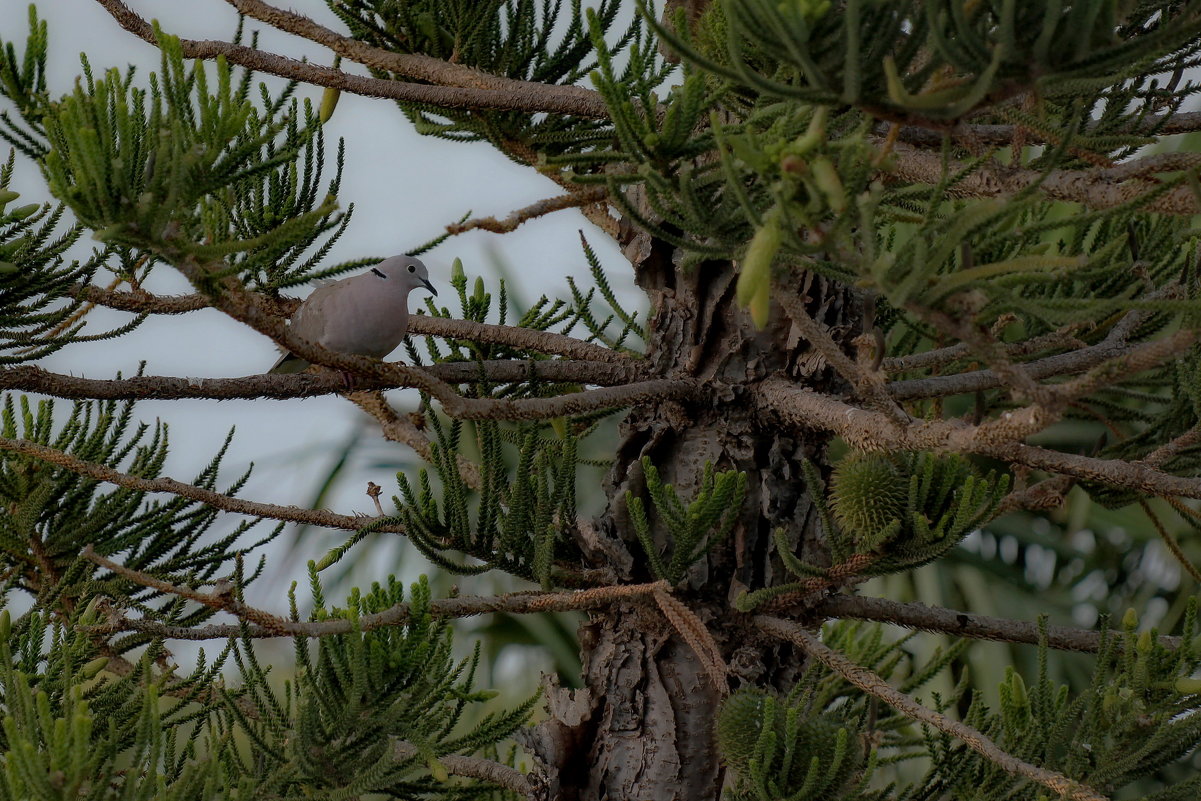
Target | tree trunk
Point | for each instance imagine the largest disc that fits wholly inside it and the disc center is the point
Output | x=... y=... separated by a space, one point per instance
x=642 y=730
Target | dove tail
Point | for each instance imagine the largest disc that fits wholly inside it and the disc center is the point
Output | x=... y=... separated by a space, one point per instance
x=289 y=363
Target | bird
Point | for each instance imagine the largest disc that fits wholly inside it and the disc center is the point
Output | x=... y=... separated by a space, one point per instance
x=366 y=314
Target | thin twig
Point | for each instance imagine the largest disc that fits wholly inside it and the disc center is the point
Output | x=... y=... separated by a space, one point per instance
x=396 y=428
x=264 y=625
x=874 y=685
x=1170 y=542
x=870 y=385
x=939 y=357
x=1163 y=453
x=290 y=514
x=530 y=212
x=471 y=767
x=966 y=624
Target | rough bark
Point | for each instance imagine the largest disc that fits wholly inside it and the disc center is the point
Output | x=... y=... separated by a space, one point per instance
x=642 y=728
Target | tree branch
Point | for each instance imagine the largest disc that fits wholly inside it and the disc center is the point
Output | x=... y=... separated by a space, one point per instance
x=471 y=767
x=419 y=324
x=265 y=625
x=931 y=359
x=1161 y=125
x=872 y=684
x=249 y=307
x=289 y=514
x=1100 y=188
x=401 y=429
x=965 y=624
x=456 y=87
x=526 y=213
x=869 y=430
x=304 y=385
x=869 y=385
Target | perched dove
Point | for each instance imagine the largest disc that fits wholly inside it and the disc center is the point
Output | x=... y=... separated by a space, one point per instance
x=366 y=314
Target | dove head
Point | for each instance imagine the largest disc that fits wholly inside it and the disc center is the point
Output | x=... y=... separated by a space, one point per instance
x=403 y=273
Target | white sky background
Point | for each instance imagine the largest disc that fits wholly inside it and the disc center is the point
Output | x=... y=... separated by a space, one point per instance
x=405 y=188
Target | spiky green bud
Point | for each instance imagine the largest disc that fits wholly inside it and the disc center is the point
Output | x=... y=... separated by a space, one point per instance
x=739 y=723
x=869 y=492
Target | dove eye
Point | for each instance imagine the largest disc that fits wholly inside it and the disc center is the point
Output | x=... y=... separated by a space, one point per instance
x=412 y=268
x=377 y=272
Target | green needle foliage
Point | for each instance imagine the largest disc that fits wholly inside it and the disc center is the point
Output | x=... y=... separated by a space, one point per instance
x=38 y=316
x=53 y=511
x=1135 y=716
x=823 y=739
x=695 y=527
x=333 y=728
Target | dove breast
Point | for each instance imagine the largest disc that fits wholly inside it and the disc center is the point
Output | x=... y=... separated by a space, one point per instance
x=363 y=314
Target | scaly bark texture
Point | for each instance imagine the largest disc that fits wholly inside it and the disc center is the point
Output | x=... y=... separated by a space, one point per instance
x=643 y=727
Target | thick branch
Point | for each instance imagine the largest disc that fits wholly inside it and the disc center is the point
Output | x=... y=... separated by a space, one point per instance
x=419 y=324
x=965 y=624
x=1100 y=188
x=965 y=383
x=303 y=385
x=1162 y=125
x=461 y=87
x=870 y=430
x=872 y=684
x=290 y=514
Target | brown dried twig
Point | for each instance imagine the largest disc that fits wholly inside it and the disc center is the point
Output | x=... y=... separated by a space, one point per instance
x=570 y=200
x=870 y=385
x=698 y=637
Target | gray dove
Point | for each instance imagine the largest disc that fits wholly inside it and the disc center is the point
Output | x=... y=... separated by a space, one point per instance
x=365 y=314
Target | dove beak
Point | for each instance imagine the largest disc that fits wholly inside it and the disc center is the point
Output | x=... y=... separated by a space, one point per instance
x=429 y=286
